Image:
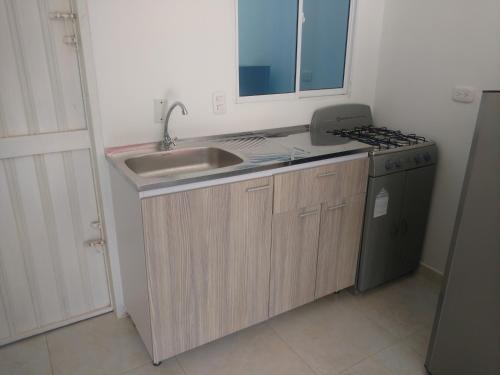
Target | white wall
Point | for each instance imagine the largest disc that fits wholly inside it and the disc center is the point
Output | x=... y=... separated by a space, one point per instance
x=185 y=49
x=427 y=47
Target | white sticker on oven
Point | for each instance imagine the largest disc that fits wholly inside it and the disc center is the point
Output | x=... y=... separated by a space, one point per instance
x=381 y=203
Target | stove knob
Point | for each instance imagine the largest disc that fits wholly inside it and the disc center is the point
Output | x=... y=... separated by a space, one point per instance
x=418 y=159
x=398 y=163
x=427 y=157
x=389 y=164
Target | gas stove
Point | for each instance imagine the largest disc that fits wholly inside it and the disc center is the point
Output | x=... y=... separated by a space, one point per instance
x=382 y=139
x=392 y=150
x=401 y=177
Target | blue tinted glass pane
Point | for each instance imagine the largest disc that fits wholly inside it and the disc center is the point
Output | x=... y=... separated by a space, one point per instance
x=324 y=40
x=267 y=40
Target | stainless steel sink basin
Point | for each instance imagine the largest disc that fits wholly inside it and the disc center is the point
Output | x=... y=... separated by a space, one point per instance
x=181 y=161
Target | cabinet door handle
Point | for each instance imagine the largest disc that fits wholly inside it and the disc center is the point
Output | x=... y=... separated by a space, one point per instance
x=258 y=188
x=327 y=174
x=308 y=213
x=337 y=206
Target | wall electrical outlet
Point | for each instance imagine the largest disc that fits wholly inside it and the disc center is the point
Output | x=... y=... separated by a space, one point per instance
x=160 y=110
x=464 y=94
x=219 y=102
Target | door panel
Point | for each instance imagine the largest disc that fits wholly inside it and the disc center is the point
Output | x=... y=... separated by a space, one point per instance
x=35 y=224
x=415 y=210
x=49 y=274
x=47 y=195
x=380 y=259
x=40 y=89
x=15 y=271
x=294 y=256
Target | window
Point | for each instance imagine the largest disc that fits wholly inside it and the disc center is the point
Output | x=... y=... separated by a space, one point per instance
x=293 y=47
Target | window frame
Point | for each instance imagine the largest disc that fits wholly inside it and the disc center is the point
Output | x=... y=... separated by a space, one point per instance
x=298 y=94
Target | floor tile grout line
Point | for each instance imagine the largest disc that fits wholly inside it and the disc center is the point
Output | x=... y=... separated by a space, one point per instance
x=398 y=342
x=184 y=371
x=292 y=349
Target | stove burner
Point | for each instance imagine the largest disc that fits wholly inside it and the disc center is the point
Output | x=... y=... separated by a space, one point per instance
x=382 y=138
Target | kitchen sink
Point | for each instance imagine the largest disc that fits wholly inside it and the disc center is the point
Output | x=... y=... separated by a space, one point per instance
x=181 y=161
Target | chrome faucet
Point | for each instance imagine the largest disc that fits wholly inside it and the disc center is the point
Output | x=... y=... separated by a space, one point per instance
x=168 y=142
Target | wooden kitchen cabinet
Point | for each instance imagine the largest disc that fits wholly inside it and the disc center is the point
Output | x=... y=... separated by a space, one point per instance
x=200 y=264
x=293 y=258
x=339 y=244
x=208 y=257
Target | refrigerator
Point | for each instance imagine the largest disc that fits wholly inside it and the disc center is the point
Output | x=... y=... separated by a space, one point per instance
x=466 y=332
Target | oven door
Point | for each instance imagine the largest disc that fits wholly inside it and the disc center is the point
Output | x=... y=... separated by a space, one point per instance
x=394 y=228
x=414 y=215
x=380 y=259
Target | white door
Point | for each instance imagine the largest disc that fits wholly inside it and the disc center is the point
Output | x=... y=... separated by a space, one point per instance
x=49 y=211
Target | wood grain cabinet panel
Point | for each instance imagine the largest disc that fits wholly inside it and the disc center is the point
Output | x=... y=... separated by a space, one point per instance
x=330 y=183
x=208 y=259
x=339 y=243
x=350 y=239
x=353 y=181
x=293 y=258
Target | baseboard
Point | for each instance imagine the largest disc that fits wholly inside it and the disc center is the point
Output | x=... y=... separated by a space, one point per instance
x=50 y=327
x=432 y=269
x=431 y=273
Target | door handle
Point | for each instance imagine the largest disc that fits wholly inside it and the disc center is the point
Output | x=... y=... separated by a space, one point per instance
x=258 y=188
x=337 y=206
x=327 y=174
x=308 y=213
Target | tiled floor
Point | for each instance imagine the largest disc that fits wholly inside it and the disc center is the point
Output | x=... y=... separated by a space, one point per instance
x=383 y=332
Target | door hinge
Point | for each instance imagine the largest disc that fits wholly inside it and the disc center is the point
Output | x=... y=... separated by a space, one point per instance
x=97 y=244
x=62 y=16
x=70 y=39
x=95 y=225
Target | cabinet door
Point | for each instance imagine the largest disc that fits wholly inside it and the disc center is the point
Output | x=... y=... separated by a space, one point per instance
x=350 y=240
x=380 y=258
x=293 y=258
x=328 y=250
x=339 y=243
x=416 y=203
x=208 y=257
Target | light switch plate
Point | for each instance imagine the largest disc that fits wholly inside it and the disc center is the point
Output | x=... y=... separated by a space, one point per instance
x=219 y=102
x=464 y=94
x=160 y=110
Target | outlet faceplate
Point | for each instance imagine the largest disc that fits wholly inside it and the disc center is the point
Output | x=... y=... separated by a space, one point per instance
x=219 y=102
x=464 y=94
